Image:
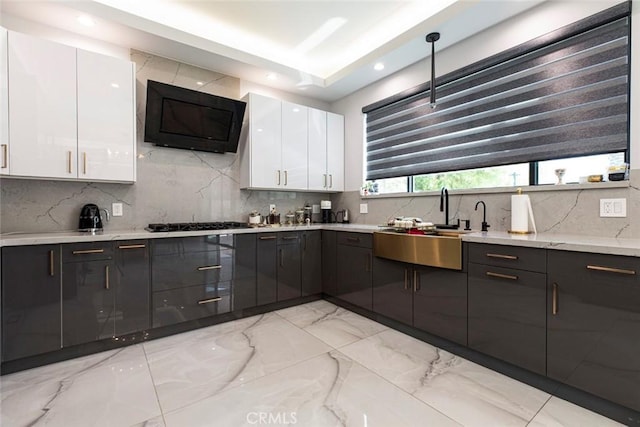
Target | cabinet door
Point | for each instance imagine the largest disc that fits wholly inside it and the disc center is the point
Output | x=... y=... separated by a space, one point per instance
x=267 y=275
x=311 y=262
x=354 y=272
x=106 y=118
x=393 y=289
x=440 y=303
x=30 y=300
x=593 y=320
x=132 y=286
x=4 y=106
x=266 y=141
x=244 y=280
x=318 y=179
x=335 y=151
x=329 y=263
x=88 y=302
x=289 y=286
x=295 y=131
x=507 y=315
x=42 y=115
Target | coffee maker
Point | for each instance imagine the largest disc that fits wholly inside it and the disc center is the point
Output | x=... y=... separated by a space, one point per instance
x=325 y=209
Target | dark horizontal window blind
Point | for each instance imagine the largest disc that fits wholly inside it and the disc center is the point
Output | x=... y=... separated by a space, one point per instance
x=564 y=99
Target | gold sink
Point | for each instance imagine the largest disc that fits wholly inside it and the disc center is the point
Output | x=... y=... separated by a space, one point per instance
x=443 y=249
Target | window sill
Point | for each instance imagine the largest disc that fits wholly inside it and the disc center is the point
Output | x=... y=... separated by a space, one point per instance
x=508 y=190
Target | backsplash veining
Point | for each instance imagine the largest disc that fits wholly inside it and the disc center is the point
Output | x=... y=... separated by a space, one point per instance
x=172 y=185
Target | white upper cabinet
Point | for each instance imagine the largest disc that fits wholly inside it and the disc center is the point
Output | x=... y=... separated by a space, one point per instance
x=335 y=152
x=4 y=106
x=318 y=178
x=106 y=127
x=295 y=130
x=260 y=150
x=42 y=108
x=71 y=112
x=326 y=151
x=285 y=146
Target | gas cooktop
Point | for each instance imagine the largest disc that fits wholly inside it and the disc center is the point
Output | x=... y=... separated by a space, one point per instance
x=195 y=226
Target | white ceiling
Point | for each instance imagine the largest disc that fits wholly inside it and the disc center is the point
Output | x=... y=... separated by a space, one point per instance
x=324 y=48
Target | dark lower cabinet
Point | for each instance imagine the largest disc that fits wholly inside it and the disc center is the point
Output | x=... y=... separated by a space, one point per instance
x=311 y=262
x=431 y=299
x=88 y=293
x=354 y=266
x=593 y=320
x=132 y=286
x=329 y=263
x=191 y=277
x=288 y=268
x=30 y=300
x=244 y=278
x=267 y=269
x=440 y=303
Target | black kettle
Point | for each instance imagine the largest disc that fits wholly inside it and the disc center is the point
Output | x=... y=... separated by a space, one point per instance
x=90 y=219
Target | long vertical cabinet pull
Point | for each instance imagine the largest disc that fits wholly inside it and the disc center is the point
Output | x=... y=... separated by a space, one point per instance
x=5 y=155
x=554 y=299
x=324 y=177
x=106 y=277
x=69 y=153
x=52 y=268
x=84 y=163
x=416 y=285
x=286 y=178
x=406 y=279
x=281 y=258
x=330 y=180
x=278 y=176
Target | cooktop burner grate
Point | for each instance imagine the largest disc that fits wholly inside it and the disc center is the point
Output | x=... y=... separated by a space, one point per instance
x=195 y=226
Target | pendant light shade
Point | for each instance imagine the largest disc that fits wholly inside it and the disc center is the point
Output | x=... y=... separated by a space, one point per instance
x=433 y=38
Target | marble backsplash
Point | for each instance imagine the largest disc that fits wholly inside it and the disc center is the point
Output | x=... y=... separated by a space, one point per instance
x=556 y=209
x=172 y=185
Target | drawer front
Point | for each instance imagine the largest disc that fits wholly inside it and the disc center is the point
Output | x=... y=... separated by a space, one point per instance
x=288 y=237
x=189 y=269
x=531 y=259
x=190 y=303
x=599 y=268
x=182 y=245
x=91 y=251
x=362 y=240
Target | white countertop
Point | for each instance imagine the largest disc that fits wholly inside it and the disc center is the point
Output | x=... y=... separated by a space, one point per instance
x=569 y=242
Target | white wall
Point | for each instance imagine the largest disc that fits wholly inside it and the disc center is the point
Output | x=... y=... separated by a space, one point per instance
x=533 y=23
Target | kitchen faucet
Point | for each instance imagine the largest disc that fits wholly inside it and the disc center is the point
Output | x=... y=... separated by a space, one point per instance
x=444 y=204
x=484 y=215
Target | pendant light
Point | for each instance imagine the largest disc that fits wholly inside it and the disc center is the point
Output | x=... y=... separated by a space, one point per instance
x=433 y=38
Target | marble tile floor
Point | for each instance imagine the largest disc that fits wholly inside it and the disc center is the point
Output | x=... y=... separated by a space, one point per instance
x=310 y=365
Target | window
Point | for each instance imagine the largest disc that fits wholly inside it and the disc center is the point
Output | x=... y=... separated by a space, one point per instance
x=511 y=118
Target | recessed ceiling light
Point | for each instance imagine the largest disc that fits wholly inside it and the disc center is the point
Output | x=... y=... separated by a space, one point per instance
x=379 y=66
x=86 y=20
x=272 y=76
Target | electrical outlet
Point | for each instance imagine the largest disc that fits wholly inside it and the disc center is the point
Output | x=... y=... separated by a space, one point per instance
x=116 y=209
x=616 y=208
x=272 y=208
x=315 y=209
x=364 y=208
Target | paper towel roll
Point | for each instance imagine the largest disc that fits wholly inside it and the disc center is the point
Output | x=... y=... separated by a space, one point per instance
x=520 y=213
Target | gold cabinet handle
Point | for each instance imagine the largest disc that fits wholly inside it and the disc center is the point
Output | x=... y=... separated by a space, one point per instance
x=84 y=163
x=88 y=251
x=353 y=239
x=281 y=256
x=69 y=153
x=611 y=270
x=367 y=261
x=106 y=277
x=289 y=238
x=406 y=279
x=52 y=271
x=513 y=257
x=5 y=155
x=554 y=300
x=140 y=246
x=267 y=237
x=416 y=285
x=210 y=267
x=502 y=276
x=207 y=301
